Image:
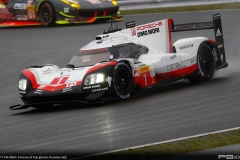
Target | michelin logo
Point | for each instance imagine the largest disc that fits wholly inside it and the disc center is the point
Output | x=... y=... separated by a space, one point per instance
x=109 y=80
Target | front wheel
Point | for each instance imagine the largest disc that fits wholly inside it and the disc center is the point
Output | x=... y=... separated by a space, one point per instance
x=206 y=64
x=123 y=81
x=47 y=15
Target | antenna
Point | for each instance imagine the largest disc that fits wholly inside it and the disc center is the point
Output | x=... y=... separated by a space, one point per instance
x=111 y=30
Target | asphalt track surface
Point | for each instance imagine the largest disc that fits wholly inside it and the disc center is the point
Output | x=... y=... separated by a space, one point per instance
x=176 y=110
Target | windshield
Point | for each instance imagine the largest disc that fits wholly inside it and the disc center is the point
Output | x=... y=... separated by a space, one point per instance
x=90 y=57
x=128 y=50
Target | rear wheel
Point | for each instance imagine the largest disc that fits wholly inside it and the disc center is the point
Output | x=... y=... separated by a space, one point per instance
x=123 y=81
x=47 y=15
x=206 y=64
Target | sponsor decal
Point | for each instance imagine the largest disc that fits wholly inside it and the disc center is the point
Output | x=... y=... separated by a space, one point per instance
x=218 y=33
x=100 y=89
x=66 y=10
x=31 y=12
x=87 y=87
x=135 y=72
x=186 y=46
x=22 y=92
x=130 y=24
x=109 y=80
x=94 y=1
x=220 y=45
x=149 y=26
x=22 y=17
x=71 y=84
x=148 y=32
x=147 y=29
x=6 y=15
x=19 y=6
x=48 y=71
x=144 y=69
x=38 y=91
x=175 y=66
x=90 y=87
x=67 y=89
x=133 y=31
x=96 y=86
x=105 y=36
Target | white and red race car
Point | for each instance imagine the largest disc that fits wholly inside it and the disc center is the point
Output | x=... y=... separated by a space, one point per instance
x=120 y=62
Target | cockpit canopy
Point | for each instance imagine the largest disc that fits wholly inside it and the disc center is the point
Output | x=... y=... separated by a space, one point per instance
x=93 y=56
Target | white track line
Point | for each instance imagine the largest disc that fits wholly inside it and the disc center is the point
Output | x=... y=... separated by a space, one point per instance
x=168 y=141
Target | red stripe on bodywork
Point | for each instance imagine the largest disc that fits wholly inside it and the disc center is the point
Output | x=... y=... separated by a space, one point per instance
x=63 y=80
x=170 y=22
x=31 y=77
x=176 y=73
x=50 y=87
x=16 y=23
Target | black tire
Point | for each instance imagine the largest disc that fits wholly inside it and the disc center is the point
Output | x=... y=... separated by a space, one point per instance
x=47 y=14
x=206 y=64
x=123 y=80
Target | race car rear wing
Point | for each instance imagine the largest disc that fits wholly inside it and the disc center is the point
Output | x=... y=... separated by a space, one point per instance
x=217 y=26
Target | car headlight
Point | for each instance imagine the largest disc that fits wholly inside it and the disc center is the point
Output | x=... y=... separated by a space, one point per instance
x=93 y=79
x=72 y=3
x=114 y=2
x=22 y=84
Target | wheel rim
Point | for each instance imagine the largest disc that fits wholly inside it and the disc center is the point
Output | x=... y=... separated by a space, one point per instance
x=123 y=80
x=46 y=15
x=206 y=61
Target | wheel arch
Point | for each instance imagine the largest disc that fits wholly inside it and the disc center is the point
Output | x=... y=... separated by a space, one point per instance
x=189 y=45
x=53 y=5
x=127 y=63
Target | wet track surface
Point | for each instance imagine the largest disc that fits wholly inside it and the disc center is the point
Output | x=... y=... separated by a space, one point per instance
x=176 y=110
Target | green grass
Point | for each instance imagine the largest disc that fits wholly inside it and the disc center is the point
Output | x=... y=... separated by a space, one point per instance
x=178 y=147
x=235 y=5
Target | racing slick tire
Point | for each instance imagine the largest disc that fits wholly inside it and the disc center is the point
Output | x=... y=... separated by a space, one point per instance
x=123 y=80
x=206 y=64
x=46 y=14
